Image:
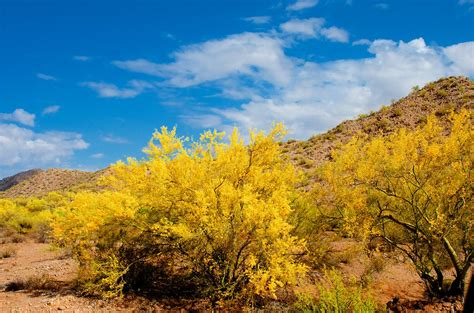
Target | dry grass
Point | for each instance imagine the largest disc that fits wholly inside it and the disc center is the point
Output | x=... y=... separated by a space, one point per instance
x=35 y=283
x=7 y=252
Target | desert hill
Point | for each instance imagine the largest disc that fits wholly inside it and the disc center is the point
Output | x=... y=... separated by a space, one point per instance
x=439 y=98
x=39 y=182
x=12 y=181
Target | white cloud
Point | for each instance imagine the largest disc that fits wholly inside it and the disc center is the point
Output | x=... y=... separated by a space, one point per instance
x=19 y=116
x=51 y=109
x=258 y=20
x=140 y=66
x=23 y=147
x=308 y=96
x=252 y=55
x=466 y=2
x=335 y=34
x=107 y=90
x=302 y=4
x=45 y=76
x=114 y=139
x=462 y=56
x=82 y=58
x=313 y=28
x=362 y=42
x=323 y=94
x=308 y=27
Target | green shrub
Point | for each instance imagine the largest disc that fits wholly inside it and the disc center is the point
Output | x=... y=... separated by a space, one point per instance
x=441 y=93
x=397 y=112
x=336 y=296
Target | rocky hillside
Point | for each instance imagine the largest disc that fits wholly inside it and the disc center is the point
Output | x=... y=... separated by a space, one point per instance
x=14 y=180
x=439 y=98
x=40 y=182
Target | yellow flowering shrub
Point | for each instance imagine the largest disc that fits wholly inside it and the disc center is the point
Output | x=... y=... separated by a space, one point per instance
x=214 y=209
x=413 y=189
x=29 y=215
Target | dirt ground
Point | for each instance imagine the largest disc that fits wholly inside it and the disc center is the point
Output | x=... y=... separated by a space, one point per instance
x=39 y=261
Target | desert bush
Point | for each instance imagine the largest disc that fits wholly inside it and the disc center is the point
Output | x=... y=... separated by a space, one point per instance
x=383 y=124
x=30 y=215
x=414 y=190
x=445 y=110
x=34 y=283
x=219 y=211
x=441 y=93
x=397 y=112
x=15 y=217
x=7 y=252
x=338 y=296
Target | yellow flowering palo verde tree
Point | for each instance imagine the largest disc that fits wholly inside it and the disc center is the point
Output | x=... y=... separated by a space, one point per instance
x=414 y=190
x=215 y=212
x=30 y=215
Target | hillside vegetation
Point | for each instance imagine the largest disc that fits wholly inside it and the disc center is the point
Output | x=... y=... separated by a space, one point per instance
x=438 y=98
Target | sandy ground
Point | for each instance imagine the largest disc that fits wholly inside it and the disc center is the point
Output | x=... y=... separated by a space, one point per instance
x=31 y=259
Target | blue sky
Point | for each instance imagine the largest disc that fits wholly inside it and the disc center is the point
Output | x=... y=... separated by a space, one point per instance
x=85 y=83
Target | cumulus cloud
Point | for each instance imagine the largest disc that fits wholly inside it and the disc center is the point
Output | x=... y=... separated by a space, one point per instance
x=24 y=147
x=308 y=96
x=302 y=4
x=19 y=116
x=335 y=34
x=313 y=28
x=51 y=109
x=252 y=55
x=107 y=90
x=462 y=56
x=258 y=20
x=45 y=76
x=308 y=27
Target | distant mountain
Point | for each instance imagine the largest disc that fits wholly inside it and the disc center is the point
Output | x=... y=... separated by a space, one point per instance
x=439 y=98
x=39 y=182
x=14 y=180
